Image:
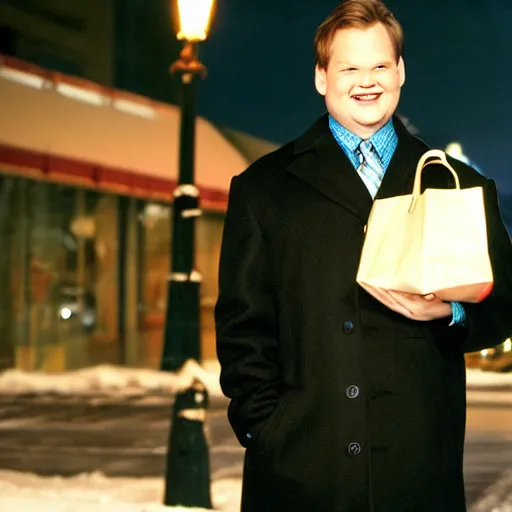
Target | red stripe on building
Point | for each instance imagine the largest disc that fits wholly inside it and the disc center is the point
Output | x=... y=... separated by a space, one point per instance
x=73 y=171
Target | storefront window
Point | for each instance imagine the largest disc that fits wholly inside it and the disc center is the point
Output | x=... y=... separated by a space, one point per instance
x=52 y=272
x=156 y=261
x=84 y=276
x=156 y=267
x=98 y=276
x=58 y=308
x=8 y=191
x=208 y=240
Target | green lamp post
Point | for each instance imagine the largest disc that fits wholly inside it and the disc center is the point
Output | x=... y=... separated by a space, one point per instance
x=187 y=471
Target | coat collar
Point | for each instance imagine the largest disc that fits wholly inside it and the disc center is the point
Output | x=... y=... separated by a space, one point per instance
x=319 y=161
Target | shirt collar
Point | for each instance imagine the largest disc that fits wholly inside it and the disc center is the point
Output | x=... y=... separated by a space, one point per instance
x=382 y=140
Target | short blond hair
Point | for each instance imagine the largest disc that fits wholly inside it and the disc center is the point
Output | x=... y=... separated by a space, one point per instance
x=356 y=14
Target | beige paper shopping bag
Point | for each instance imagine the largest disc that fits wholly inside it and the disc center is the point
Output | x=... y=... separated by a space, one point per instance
x=435 y=242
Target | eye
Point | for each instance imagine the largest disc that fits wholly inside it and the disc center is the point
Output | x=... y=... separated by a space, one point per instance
x=382 y=66
x=348 y=70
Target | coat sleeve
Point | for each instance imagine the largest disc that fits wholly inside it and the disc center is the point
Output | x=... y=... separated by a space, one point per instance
x=490 y=322
x=245 y=319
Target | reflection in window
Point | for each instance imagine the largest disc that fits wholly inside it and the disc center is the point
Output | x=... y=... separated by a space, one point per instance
x=208 y=240
x=52 y=269
x=156 y=224
x=70 y=237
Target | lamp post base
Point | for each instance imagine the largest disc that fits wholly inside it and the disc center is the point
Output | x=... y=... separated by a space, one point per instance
x=188 y=469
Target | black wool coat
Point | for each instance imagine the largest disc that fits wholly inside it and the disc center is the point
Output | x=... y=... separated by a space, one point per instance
x=342 y=404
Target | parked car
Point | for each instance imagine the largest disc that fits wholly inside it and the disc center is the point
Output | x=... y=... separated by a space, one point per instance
x=497 y=359
x=78 y=304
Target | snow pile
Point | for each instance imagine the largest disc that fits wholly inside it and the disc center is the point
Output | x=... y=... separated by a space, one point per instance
x=96 y=493
x=478 y=378
x=122 y=381
x=498 y=497
x=109 y=380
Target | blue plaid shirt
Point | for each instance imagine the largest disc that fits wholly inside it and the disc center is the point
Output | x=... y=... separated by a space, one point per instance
x=385 y=142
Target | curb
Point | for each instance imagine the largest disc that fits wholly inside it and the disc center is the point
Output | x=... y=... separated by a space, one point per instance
x=474 y=397
x=217 y=402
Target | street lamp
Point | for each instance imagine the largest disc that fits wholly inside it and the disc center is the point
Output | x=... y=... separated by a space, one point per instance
x=188 y=470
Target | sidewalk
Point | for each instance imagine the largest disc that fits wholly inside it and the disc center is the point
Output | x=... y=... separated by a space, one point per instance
x=498 y=498
x=115 y=388
x=489 y=398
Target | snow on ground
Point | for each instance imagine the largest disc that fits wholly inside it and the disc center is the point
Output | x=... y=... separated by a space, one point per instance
x=479 y=378
x=110 y=380
x=123 y=381
x=96 y=493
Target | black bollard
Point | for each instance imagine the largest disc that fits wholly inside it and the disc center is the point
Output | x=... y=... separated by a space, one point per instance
x=188 y=467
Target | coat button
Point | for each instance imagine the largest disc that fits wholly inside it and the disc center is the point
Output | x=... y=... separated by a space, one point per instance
x=354 y=449
x=352 y=391
x=348 y=327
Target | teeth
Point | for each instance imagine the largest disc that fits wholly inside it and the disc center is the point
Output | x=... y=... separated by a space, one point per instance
x=367 y=96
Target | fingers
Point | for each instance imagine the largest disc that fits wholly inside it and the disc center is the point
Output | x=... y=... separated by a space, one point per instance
x=405 y=301
x=414 y=297
x=411 y=305
x=389 y=301
x=421 y=308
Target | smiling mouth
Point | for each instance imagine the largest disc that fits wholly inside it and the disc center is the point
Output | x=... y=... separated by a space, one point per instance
x=366 y=97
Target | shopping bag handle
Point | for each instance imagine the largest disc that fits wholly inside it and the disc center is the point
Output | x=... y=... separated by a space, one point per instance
x=440 y=158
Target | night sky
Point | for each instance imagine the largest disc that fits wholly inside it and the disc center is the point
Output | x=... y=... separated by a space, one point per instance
x=458 y=56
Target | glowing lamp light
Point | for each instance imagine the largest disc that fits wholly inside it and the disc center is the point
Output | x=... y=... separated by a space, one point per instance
x=195 y=17
x=507 y=346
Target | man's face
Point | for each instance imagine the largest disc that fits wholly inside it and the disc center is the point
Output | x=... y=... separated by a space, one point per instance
x=362 y=82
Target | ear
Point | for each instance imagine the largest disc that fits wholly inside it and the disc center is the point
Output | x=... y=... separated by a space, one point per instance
x=401 y=71
x=321 y=80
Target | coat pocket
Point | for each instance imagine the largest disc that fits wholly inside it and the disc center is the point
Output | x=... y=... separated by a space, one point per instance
x=272 y=424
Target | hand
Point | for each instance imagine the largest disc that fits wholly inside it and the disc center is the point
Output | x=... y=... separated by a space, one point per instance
x=416 y=307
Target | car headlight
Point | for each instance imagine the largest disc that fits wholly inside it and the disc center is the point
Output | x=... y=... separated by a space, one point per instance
x=65 y=313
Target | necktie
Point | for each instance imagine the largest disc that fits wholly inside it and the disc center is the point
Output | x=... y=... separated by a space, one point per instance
x=370 y=168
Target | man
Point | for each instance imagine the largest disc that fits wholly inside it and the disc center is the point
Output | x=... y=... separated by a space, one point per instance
x=346 y=401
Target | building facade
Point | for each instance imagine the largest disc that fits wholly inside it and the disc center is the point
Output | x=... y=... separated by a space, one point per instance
x=145 y=46
x=75 y=37
x=86 y=181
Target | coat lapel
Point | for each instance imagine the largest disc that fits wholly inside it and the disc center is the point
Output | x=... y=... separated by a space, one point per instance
x=320 y=162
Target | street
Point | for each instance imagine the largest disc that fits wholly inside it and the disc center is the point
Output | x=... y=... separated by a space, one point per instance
x=129 y=439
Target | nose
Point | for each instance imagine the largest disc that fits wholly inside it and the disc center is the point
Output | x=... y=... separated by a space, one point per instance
x=366 y=79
